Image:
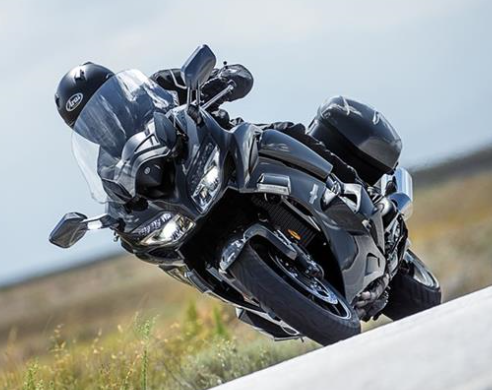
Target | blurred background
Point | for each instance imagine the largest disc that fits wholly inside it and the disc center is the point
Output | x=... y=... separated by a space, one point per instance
x=425 y=65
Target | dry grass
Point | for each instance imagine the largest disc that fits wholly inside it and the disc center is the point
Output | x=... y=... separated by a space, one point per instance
x=195 y=353
x=452 y=231
x=86 y=301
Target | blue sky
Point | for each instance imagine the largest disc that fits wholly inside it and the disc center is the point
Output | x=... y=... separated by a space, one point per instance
x=425 y=64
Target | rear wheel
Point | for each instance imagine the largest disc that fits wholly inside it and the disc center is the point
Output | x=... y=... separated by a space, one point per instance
x=413 y=289
x=309 y=305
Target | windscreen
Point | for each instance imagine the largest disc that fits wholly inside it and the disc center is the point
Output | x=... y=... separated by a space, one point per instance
x=120 y=108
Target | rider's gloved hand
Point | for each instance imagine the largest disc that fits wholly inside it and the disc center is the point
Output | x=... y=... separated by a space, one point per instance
x=238 y=74
x=212 y=87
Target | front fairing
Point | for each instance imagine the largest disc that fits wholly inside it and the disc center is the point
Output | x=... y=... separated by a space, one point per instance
x=200 y=140
x=187 y=174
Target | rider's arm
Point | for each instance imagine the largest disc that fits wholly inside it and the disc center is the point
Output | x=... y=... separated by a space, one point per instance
x=171 y=80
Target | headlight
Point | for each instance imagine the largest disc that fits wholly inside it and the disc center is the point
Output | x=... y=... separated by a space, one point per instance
x=209 y=184
x=167 y=230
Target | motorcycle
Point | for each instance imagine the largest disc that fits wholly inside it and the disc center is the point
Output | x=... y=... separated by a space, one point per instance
x=254 y=217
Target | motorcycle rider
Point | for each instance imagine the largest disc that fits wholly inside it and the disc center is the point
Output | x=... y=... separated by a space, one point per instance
x=80 y=83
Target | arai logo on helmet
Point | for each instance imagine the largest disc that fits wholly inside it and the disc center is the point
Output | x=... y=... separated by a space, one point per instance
x=74 y=101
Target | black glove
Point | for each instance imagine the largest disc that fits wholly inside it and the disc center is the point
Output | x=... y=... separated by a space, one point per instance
x=240 y=76
x=211 y=88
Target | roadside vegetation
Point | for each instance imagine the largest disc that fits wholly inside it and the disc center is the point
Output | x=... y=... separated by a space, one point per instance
x=198 y=352
x=80 y=330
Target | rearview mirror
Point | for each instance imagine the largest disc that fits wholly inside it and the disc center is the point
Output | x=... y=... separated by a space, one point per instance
x=71 y=228
x=197 y=69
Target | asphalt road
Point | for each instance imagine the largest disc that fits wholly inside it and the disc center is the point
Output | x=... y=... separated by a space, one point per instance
x=448 y=347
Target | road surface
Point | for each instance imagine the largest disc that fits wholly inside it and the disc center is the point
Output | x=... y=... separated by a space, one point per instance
x=448 y=347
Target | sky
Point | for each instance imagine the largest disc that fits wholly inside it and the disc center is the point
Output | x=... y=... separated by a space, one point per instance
x=426 y=65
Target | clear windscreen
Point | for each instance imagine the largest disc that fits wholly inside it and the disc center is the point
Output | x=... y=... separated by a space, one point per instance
x=119 y=109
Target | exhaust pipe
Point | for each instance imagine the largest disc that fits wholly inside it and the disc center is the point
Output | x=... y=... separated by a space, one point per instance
x=403 y=195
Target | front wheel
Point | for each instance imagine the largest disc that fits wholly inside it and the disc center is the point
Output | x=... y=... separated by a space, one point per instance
x=307 y=304
x=413 y=289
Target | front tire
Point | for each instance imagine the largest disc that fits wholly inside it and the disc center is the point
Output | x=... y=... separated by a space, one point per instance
x=276 y=292
x=413 y=289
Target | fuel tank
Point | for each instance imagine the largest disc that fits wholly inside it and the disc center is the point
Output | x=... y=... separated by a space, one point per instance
x=359 y=135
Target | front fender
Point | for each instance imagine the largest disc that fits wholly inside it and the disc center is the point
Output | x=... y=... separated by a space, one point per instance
x=235 y=246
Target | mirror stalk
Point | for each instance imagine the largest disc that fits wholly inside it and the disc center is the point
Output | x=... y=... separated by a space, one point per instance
x=73 y=226
x=195 y=72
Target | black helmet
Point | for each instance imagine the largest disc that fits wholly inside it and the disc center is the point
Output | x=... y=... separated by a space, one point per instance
x=77 y=87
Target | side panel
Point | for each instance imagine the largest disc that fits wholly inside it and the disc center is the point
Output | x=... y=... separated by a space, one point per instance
x=358 y=257
x=279 y=146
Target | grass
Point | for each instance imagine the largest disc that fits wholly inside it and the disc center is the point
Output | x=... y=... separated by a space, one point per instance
x=196 y=353
x=78 y=330
x=452 y=231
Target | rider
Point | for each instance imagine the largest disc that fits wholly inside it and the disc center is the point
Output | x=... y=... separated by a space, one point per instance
x=79 y=84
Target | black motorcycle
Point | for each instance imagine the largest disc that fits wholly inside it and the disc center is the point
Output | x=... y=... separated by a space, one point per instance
x=254 y=217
